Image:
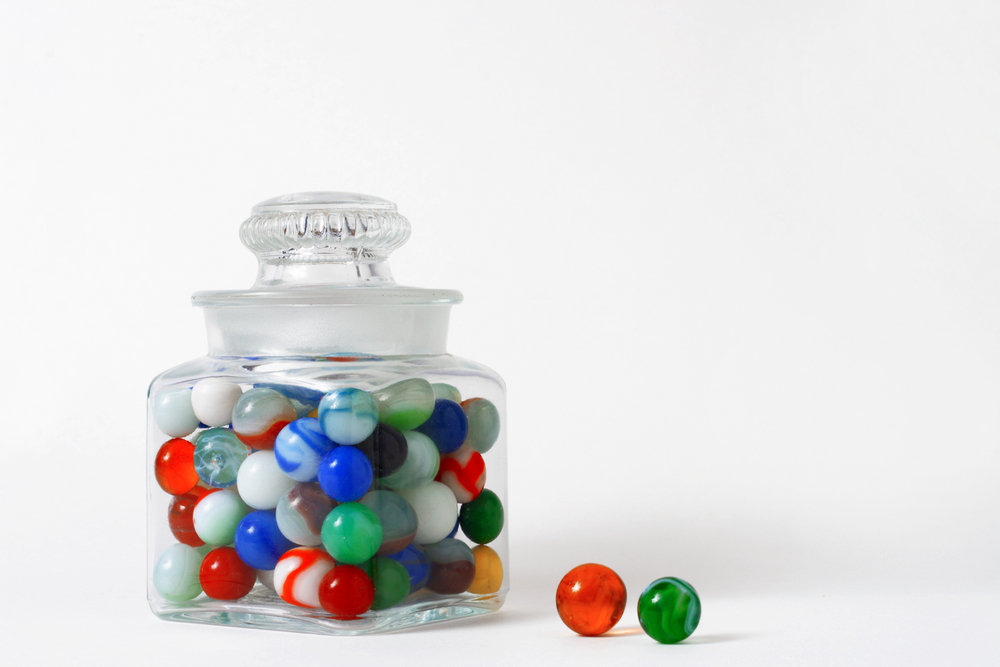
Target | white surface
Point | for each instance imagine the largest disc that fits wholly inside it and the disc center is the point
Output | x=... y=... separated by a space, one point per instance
x=737 y=263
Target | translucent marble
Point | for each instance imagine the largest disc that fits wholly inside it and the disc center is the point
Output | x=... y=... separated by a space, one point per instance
x=346 y=592
x=224 y=576
x=176 y=574
x=300 y=447
x=301 y=511
x=260 y=414
x=398 y=520
x=436 y=510
x=484 y=424
x=464 y=472
x=259 y=542
x=386 y=449
x=298 y=574
x=174 y=467
x=482 y=519
x=669 y=610
x=390 y=579
x=447 y=426
x=590 y=599
x=348 y=416
x=216 y=516
x=173 y=413
x=453 y=567
x=447 y=391
x=213 y=400
x=261 y=482
x=218 y=455
x=416 y=563
x=351 y=533
x=405 y=405
x=345 y=474
x=421 y=464
x=489 y=571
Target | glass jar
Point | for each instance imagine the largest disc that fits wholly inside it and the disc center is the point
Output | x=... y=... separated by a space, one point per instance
x=324 y=468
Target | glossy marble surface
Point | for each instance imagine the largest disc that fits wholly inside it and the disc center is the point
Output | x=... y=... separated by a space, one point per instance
x=421 y=464
x=346 y=592
x=390 y=579
x=299 y=448
x=174 y=467
x=416 y=563
x=591 y=599
x=464 y=472
x=489 y=571
x=351 y=533
x=348 y=415
x=298 y=574
x=386 y=449
x=397 y=517
x=301 y=511
x=173 y=413
x=345 y=474
x=259 y=542
x=218 y=455
x=482 y=519
x=224 y=576
x=261 y=482
x=180 y=516
x=260 y=414
x=176 y=574
x=453 y=567
x=669 y=610
x=484 y=424
x=436 y=509
x=405 y=405
x=213 y=400
x=216 y=516
x=447 y=426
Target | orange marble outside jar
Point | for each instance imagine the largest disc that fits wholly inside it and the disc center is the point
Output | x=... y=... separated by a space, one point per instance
x=591 y=599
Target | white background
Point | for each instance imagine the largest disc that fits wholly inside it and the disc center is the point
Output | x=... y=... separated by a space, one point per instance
x=737 y=262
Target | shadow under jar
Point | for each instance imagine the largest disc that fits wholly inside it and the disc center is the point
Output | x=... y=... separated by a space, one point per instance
x=328 y=467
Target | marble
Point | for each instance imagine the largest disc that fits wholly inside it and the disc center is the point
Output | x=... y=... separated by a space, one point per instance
x=174 y=467
x=259 y=542
x=260 y=414
x=489 y=571
x=351 y=533
x=447 y=426
x=213 y=400
x=266 y=579
x=216 y=516
x=180 y=516
x=345 y=474
x=447 y=391
x=300 y=447
x=301 y=511
x=261 y=482
x=399 y=521
x=346 y=592
x=482 y=519
x=304 y=399
x=298 y=574
x=224 y=576
x=218 y=455
x=436 y=510
x=484 y=424
x=464 y=472
x=453 y=567
x=390 y=579
x=386 y=449
x=669 y=610
x=590 y=599
x=175 y=575
x=173 y=413
x=405 y=405
x=421 y=464
x=348 y=415
x=416 y=563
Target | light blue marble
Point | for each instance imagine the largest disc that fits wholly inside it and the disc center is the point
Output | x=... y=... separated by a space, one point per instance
x=348 y=415
x=421 y=465
x=176 y=574
x=218 y=455
x=300 y=447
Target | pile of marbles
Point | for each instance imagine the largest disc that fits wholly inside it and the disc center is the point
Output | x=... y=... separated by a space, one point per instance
x=346 y=501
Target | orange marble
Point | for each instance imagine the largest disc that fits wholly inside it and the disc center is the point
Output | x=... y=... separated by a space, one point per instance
x=590 y=599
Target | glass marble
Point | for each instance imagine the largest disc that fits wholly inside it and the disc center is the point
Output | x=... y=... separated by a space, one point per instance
x=416 y=563
x=669 y=610
x=346 y=592
x=218 y=455
x=421 y=464
x=351 y=533
x=261 y=482
x=398 y=520
x=301 y=511
x=390 y=579
x=305 y=399
x=482 y=519
x=174 y=467
x=464 y=472
x=175 y=576
x=436 y=510
x=345 y=474
x=489 y=571
x=348 y=415
x=590 y=599
x=453 y=567
x=484 y=424
x=224 y=576
x=300 y=447
x=298 y=574
x=386 y=449
x=405 y=405
x=213 y=400
x=266 y=579
x=448 y=391
x=173 y=413
x=216 y=516
x=259 y=542
x=447 y=426
x=260 y=414
x=180 y=516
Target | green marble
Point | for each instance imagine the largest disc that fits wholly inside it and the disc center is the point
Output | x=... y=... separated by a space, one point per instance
x=390 y=579
x=669 y=610
x=405 y=405
x=446 y=391
x=484 y=424
x=421 y=465
x=351 y=533
x=176 y=575
x=482 y=519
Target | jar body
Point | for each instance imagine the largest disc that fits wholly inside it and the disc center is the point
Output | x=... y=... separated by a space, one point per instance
x=204 y=540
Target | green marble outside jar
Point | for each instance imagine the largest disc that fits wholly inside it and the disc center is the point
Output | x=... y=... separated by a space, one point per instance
x=669 y=610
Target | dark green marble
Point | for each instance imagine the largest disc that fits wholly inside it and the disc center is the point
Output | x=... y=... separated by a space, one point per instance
x=482 y=519
x=669 y=610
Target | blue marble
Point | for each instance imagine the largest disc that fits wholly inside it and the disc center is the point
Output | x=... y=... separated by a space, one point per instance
x=307 y=396
x=259 y=542
x=348 y=416
x=345 y=474
x=218 y=455
x=417 y=564
x=447 y=425
x=300 y=447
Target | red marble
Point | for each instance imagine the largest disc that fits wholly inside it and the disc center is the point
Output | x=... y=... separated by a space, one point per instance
x=180 y=515
x=346 y=592
x=590 y=599
x=224 y=576
x=174 y=467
